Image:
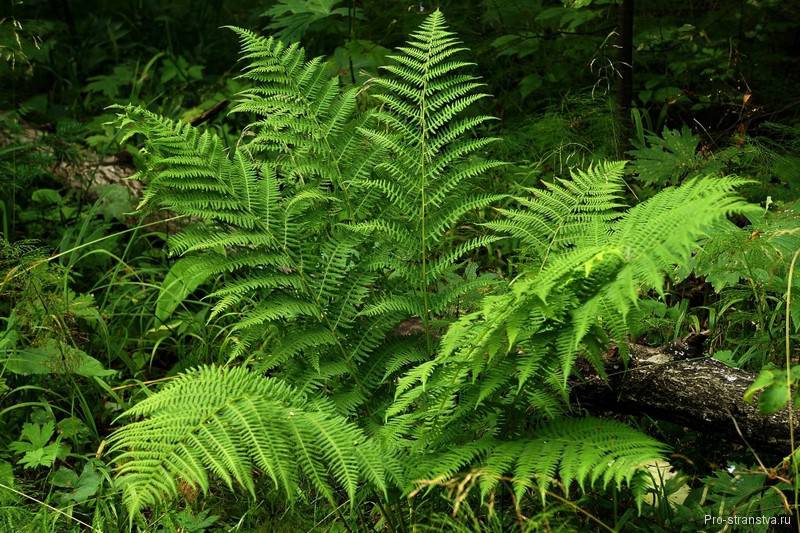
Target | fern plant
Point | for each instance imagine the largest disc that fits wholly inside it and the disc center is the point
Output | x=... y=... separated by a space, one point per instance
x=307 y=280
x=338 y=228
x=565 y=214
x=239 y=421
x=516 y=352
x=426 y=183
x=588 y=451
x=265 y=215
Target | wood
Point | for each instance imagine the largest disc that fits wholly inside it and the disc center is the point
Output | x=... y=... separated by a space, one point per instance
x=625 y=15
x=677 y=383
x=210 y=114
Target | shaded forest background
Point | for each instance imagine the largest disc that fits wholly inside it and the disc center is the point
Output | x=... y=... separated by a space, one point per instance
x=678 y=89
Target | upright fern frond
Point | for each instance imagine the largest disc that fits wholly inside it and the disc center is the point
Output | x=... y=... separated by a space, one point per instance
x=239 y=207
x=430 y=172
x=231 y=421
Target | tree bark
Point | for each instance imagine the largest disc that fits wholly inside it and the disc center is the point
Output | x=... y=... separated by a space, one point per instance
x=677 y=384
x=625 y=67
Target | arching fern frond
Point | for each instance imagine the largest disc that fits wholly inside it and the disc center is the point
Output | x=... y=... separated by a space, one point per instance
x=588 y=451
x=230 y=421
x=567 y=213
x=547 y=317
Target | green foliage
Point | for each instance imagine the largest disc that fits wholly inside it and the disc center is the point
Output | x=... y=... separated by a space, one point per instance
x=552 y=313
x=748 y=268
x=772 y=387
x=291 y=19
x=374 y=311
x=413 y=182
x=669 y=158
x=585 y=451
x=429 y=176
x=564 y=215
x=235 y=421
x=737 y=495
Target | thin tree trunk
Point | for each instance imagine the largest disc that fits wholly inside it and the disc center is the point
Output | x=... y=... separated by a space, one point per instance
x=625 y=80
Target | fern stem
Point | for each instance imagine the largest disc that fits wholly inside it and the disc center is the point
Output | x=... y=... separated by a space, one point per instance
x=581 y=510
x=385 y=514
x=423 y=145
x=344 y=521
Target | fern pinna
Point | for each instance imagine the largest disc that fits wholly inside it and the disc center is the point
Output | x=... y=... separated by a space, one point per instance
x=336 y=228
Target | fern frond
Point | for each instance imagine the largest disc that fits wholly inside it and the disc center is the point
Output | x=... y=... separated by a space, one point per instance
x=238 y=421
x=542 y=321
x=588 y=451
x=566 y=213
x=430 y=171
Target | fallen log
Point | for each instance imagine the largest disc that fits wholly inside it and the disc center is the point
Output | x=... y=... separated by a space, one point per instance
x=677 y=383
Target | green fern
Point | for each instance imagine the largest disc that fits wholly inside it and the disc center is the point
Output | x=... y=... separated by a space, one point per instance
x=586 y=451
x=228 y=421
x=429 y=173
x=249 y=230
x=304 y=120
x=265 y=219
x=338 y=237
x=567 y=214
x=578 y=301
x=265 y=214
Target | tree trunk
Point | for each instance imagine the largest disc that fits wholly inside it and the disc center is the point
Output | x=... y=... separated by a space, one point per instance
x=625 y=81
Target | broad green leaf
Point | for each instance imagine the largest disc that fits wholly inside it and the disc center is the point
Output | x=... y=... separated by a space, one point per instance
x=54 y=357
x=46 y=197
x=773 y=398
x=33 y=443
x=42 y=456
x=762 y=381
x=64 y=478
x=114 y=201
x=84 y=487
x=181 y=280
